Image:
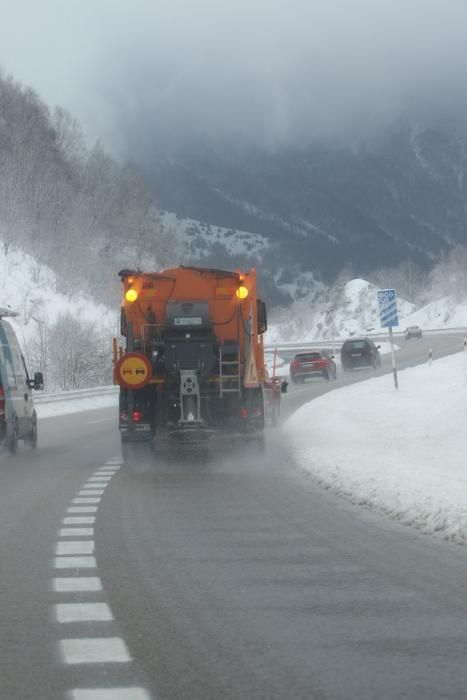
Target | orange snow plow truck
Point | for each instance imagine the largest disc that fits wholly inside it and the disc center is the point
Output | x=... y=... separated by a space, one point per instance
x=193 y=362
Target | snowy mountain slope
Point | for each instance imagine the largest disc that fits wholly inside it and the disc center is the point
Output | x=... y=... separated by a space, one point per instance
x=217 y=246
x=353 y=312
x=399 y=195
x=199 y=238
x=30 y=288
x=442 y=313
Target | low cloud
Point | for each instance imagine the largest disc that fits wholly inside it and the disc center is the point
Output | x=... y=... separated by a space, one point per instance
x=148 y=73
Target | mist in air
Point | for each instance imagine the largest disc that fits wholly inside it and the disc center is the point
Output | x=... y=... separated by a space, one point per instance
x=160 y=74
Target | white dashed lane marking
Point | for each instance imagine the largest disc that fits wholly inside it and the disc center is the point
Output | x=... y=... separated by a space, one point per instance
x=75 y=554
x=82 y=612
x=112 y=694
x=76 y=532
x=75 y=563
x=94 y=650
x=80 y=520
x=82 y=509
x=91 y=491
x=87 y=500
x=75 y=547
x=76 y=584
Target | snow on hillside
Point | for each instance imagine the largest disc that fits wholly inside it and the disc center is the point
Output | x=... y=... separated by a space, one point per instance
x=30 y=288
x=442 y=313
x=200 y=239
x=353 y=312
x=407 y=461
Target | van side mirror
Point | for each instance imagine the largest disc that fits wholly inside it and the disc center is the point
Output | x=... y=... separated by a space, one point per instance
x=38 y=383
x=284 y=386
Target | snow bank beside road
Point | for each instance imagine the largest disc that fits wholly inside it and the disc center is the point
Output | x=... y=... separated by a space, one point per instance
x=63 y=408
x=402 y=453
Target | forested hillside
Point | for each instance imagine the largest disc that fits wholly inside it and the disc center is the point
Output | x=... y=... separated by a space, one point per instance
x=74 y=209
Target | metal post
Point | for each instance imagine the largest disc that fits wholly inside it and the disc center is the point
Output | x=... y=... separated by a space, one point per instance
x=393 y=357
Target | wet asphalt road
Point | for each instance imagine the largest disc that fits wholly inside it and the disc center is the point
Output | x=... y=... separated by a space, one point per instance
x=232 y=578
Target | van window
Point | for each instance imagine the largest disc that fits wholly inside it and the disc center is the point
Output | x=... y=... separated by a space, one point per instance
x=13 y=367
x=18 y=366
x=8 y=366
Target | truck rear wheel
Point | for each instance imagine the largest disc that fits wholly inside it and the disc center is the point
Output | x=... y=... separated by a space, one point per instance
x=31 y=437
x=136 y=454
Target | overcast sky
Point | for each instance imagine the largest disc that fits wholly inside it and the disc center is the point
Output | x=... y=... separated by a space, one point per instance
x=134 y=71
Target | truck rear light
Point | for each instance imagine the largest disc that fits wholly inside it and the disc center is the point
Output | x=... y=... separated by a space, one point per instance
x=137 y=416
x=123 y=416
x=257 y=413
x=243 y=413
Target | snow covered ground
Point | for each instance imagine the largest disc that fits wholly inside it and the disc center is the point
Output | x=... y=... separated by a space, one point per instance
x=356 y=313
x=76 y=405
x=199 y=237
x=401 y=453
x=31 y=289
x=442 y=313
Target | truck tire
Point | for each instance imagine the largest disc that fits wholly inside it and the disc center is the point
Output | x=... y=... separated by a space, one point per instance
x=136 y=455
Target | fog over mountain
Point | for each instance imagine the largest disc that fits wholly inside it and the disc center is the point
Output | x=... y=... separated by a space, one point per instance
x=159 y=73
x=334 y=132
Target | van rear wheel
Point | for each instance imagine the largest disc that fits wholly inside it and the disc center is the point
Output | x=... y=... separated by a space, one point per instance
x=12 y=438
x=31 y=438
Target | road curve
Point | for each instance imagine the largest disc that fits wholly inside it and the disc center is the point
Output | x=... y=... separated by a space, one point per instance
x=239 y=578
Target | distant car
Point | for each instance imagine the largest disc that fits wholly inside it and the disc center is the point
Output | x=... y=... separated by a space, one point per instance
x=413 y=332
x=312 y=363
x=360 y=352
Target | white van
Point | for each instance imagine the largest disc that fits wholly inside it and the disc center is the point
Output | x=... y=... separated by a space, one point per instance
x=18 y=419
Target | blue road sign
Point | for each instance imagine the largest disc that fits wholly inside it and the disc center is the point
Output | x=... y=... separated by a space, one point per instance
x=387 y=308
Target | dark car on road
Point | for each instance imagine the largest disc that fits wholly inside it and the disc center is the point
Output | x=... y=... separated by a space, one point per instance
x=360 y=352
x=413 y=332
x=312 y=363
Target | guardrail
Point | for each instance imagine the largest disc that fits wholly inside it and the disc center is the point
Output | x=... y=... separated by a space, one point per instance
x=327 y=343
x=40 y=398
